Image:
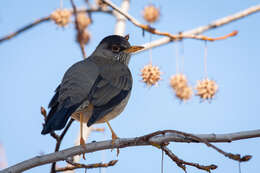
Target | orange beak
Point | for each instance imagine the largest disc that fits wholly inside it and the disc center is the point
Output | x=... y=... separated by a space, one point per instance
x=133 y=49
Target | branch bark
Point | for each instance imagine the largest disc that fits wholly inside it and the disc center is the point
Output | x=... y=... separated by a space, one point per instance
x=127 y=142
x=182 y=164
x=215 y=24
x=74 y=166
x=121 y=20
x=167 y=34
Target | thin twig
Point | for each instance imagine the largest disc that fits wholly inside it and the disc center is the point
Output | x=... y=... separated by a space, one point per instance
x=167 y=34
x=44 y=19
x=58 y=142
x=19 y=31
x=52 y=133
x=66 y=129
x=199 y=30
x=181 y=163
x=89 y=166
x=80 y=32
x=55 y=136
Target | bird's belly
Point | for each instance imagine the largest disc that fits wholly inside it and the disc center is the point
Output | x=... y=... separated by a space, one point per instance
x=115 y=112
x=87 y=112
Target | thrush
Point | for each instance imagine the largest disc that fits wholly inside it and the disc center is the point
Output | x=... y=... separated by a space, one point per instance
x=94 y=90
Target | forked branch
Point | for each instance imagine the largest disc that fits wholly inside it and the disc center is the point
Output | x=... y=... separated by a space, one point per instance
x=155 y=31
x=146 y=140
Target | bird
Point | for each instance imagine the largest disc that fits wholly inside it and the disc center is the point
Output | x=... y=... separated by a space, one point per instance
x=94 y=90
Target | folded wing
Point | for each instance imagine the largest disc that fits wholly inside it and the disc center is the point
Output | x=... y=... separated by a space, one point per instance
x=75 y=87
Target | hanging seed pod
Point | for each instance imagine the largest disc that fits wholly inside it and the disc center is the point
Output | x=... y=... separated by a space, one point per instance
x=83 y=38
x=184 y=93
x=151 y=13
x=178 y=81
x=61 y=17
x=206 y=89
x=83 y=21
x=180 y=86
x=150 y=74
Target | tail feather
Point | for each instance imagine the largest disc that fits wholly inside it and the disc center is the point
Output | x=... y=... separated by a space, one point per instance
x=58 y=117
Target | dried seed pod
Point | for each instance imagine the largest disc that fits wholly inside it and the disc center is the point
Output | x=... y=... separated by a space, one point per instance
x=206 y=88
x=83 y=21
x=83 y=37
x=61 y=17
x=101 y=4
x=151 y=13
x=150 y=74
x=43 y=112
x=178 y=81
x=184 y=93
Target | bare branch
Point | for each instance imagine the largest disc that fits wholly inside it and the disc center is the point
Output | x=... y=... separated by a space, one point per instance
x=80 y=32
x=215 y=24
x=44 y=19
x=121 y=20
x=236 y=157
x=167 y=34
x=58 y=141
x=127 y=142
x=29 y=26
x=89 y=166
x=181 y=163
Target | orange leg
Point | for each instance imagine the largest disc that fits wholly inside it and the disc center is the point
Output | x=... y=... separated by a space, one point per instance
x=82 y=141
x=114 y=136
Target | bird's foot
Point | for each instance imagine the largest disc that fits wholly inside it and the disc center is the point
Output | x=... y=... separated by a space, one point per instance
x=83 y=144
x=114 y=137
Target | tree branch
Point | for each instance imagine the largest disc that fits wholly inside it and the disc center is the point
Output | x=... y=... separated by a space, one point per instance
x=181 y=163
x=45 y=19
x=167 y=34
x=58 y=142
x=80 y=31
x=55 y=136
x=127 y=142
x=89 y=166
x=121 y=20
x=29 y=26
x=215 y=24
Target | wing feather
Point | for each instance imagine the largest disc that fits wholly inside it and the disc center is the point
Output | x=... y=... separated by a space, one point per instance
x=114 y=86
x=75 y=87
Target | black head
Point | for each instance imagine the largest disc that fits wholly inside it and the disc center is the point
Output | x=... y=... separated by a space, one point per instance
x=116 y=48
x=115 y=43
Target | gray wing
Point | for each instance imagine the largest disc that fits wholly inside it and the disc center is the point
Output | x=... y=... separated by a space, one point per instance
x=113 y=86
x=71 y=93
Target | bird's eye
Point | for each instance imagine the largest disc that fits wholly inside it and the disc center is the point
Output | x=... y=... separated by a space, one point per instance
x=115 y=48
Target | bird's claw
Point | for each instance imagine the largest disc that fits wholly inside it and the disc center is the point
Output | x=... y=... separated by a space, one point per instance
x=114 y=138
x=83 y=144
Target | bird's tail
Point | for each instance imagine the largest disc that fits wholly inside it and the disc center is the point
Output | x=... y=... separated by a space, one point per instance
x=58 y=117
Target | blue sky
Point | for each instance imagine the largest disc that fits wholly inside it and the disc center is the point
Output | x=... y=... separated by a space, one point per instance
x=33 y=64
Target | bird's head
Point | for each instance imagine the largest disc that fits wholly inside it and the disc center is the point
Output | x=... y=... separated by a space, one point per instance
x=116 y=48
